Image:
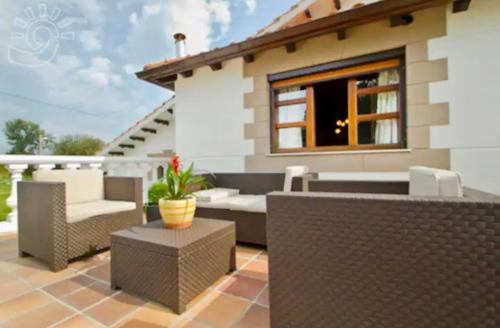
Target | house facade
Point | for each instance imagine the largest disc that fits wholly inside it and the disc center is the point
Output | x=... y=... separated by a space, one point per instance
x=345 y=87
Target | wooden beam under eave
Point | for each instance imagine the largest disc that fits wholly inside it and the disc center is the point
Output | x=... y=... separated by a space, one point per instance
x=160 y=121
x=337 y=4
x=307 y=12
x=126 y=146
x=460 y=5
x=341 y=34
x=249 y=58
x=401 y=20
x=148 y=130
x=137 y=138
x=291 y=47
x=170 y=110
x=116 y=153
x=216 y=66
x=187 y=74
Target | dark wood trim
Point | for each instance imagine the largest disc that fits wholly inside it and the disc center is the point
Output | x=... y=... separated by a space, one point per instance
x=381 y=89
x=187 y=74
x=170 y=110
x=341 y=34
x=126 y=146
x=291 y=102
x=337 y=5
x=401 y=20
x=160 y=121
x=116 y=153
x=216 y=66
x=137 y=138
x=148 y=130
x=341 y=73
x=338 y=148
x=343 y=20
x=377 y=117
x=356 y=61
x=301 y=124
x=307 y=13
x=291 y=47
x=460 y=5
x=249 y=58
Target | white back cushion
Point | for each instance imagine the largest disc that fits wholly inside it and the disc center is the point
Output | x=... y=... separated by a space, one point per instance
x=292 y=172
x=425 y=181
x=81 y=185
x=211 y=195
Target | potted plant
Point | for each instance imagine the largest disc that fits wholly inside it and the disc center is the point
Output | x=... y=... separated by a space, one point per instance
x=157 y=191
x=178 y=205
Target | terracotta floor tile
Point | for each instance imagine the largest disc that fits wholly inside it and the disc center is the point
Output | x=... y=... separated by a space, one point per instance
x=102 y=272
x=78 y=322
x=256 y=269
x=88 y=296
x=263 y=298
x=256 y=317
x=241 y=261
x=46 y=277
x=89 y=262
x=67 y=286
x=151 y=315
x=113 y=309
x=22 y=304
x=41 y=317
x=247 y=251
x=223 y=311
x=191 y=323
x=27 y=266
x=242 y=286
x=14 y=289
x=263 y=256
x=6 y=278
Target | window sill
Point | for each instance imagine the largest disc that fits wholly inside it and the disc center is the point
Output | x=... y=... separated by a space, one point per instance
x=341 y=152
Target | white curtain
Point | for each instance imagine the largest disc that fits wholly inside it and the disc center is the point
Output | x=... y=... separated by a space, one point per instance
x=292 y=137
x=386 y=131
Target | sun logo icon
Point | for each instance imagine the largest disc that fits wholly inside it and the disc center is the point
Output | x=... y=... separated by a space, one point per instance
x=38 y=37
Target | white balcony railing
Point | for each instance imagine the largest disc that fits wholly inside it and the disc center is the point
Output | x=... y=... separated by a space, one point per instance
x=149 y=169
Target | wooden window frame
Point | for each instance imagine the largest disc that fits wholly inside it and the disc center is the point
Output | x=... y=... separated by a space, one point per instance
x=351 y=73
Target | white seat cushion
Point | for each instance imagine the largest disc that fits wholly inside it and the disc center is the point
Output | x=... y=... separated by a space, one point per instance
x=81 y=185
x=246 y=203
x=81 y=211
x=211 y=195
x=425 y=181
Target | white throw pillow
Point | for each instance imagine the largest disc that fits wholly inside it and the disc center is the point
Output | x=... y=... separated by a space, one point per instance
x=425 y=181
x=292 y=172
x=81 y=185
x=214 y=194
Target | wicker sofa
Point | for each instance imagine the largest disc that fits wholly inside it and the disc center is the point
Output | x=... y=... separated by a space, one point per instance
x=353 y=254
x=250 y=223
x=67 y=214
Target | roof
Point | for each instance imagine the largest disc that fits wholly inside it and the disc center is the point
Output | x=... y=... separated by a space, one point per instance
x=288 y=29
x=134 y=129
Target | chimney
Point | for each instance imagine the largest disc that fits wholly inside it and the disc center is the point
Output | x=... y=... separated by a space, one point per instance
x=180 y=45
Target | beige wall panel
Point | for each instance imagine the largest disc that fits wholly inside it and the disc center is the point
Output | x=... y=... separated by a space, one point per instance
x=417 y=52
x=257 y=130
x=418 y=137
x=438 y=158
x=417 y=94
x=428 y=114
x=262 y=114
x=428 y=71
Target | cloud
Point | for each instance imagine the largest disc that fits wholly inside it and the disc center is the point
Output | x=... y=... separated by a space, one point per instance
x=90 y=41
x=133 y=18
x=251 y=6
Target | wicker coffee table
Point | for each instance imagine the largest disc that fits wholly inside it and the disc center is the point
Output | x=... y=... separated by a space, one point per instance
x=172 y=267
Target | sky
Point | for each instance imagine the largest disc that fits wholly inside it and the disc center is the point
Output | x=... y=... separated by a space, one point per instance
x=69 y=65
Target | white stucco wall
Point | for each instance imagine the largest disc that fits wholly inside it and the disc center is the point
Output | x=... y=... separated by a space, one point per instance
x=210 y=118
x=472 y=47
x=163 y=140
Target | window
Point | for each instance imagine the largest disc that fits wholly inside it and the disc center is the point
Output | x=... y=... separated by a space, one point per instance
x=347 y=108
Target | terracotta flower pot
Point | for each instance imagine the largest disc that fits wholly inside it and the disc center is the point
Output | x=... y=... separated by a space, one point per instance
x=177 y=214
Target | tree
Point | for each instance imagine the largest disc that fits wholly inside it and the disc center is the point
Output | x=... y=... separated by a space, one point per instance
x=77 y=145
x=25 y=137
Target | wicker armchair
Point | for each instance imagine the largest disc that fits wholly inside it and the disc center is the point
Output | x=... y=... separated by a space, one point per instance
x=353 y=260
x=46 y=232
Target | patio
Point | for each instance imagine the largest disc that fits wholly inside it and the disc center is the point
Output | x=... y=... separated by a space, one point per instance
x=80 y=296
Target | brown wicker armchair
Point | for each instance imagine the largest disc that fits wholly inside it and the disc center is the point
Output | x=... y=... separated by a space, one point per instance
x=354 y=260
x=46 y=232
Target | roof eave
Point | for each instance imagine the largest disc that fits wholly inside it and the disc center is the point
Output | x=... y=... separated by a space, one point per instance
x=337 y=22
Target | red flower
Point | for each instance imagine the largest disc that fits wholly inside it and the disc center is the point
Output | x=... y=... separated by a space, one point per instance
x=175 y=164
